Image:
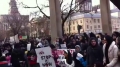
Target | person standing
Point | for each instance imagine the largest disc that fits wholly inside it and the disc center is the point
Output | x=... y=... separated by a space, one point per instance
x=110 y=51
x=94 y=54
x=78 y=57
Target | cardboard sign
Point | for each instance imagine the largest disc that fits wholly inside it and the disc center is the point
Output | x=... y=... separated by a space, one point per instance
x=45 y=58
x=61 y=51
x=61 y=60
x=63 y=46
x=28 y=47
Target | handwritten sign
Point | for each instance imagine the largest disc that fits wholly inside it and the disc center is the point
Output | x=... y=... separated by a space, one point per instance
x=63 y=46
x=28 y=47
x=61 y=60
x=45 y=57
x=61 y=51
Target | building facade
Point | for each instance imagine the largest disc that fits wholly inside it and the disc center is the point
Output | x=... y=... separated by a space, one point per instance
x=39 y=27
x=14 y=21
x=89 y=23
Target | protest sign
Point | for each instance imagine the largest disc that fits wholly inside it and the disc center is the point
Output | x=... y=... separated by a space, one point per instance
x=45 y=57
x=63 y=46
x=12 y=39
x=23 y=37
x=61 y=51
x=28 y=47
x=16 y=38
x=61 y=60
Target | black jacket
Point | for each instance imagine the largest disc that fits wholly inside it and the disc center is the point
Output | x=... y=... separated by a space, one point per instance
x=77 y=62
x=17 y=56
x=94 y=55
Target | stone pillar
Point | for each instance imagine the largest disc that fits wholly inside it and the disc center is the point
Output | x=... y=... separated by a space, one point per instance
x=106 y=16
x=55 y=19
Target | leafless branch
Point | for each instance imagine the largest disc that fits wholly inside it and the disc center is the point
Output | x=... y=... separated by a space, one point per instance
x=15 y=22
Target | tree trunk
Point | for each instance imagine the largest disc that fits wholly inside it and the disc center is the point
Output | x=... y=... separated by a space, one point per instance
x=63 y=28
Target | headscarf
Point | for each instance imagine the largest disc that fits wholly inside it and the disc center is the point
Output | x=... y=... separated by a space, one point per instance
x=69 y=57
x=109 y=41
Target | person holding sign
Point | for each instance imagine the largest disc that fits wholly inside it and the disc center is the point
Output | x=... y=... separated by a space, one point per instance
x=69 y=61
x=54 y=54
x=79 y=58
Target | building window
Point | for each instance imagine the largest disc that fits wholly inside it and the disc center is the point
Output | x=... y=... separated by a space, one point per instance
x=90 y=21
x=94 y=20
x=95 y=26
x=73 y=27
x=91 y=27
x=73 y=22
x=70 y=28
x=87 y=26
x=81 y=21
x=67 y=29
x=87 y=21
x=98 y=20
x=77 y=22
x=98 y=26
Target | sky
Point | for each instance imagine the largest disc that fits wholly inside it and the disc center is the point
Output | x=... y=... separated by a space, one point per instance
x=4 y=6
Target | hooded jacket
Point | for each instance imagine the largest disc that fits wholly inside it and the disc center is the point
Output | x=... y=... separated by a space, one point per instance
x=94 y=54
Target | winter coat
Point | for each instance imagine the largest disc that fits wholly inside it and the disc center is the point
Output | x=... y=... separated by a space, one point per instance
x=77 y=59
x=94 y=56
x=16 y=57
x=112 y=55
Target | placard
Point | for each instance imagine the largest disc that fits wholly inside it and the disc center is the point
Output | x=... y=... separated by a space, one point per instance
x=61 y=51
x=63 y=46
x=61 y=61
x=28 y=47
x=45 y=58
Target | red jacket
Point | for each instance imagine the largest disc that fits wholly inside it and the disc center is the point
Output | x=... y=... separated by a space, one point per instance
x=32 y=60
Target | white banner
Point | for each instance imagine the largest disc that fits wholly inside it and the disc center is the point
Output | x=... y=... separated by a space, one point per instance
x=61 y=51
x=63 y=46
x=28 y=46
x=45 y=58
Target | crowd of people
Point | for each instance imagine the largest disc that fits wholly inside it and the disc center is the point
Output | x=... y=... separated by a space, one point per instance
x=91 y=50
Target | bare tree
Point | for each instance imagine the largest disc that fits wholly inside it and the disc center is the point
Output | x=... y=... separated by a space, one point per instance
x=66 y=9
x=15 y=22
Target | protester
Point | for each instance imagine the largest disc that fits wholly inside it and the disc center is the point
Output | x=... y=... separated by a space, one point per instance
x=94 y=54
x=32 y=58
x=84 y=50
x=110 y=51
x=72 y=44
x=77 y=56
x=118 y=44
x=69 y=59
x=17 y=56
x=54 y=54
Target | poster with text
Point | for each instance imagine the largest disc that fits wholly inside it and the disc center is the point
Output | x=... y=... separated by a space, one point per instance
x=63 y=46
x=45 y=57
x=61 y=51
